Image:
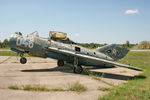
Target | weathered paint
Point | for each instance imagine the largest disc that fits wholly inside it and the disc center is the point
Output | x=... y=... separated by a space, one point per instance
x=37 y=46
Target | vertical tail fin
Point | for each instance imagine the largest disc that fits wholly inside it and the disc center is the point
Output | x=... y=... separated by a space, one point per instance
x=113 y=51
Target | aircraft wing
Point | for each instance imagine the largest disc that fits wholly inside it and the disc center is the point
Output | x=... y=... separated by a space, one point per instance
x=76 y=54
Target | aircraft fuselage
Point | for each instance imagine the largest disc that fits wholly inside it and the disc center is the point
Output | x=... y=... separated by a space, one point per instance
x=37 y=46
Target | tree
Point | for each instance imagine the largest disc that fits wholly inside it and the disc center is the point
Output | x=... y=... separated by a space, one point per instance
x=127 y=44
x=4 y=44
x=144 y=45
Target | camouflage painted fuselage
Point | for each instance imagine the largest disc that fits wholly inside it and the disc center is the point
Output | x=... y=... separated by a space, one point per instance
x=37 y=46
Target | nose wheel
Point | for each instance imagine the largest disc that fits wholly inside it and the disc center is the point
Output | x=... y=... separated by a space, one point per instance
x=23 y=60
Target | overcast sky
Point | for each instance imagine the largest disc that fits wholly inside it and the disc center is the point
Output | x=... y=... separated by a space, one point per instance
x=99 y=21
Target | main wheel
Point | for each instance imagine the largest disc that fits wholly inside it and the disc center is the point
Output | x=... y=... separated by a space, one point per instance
x=23 y=60
x=60 y=63
x=78 y=69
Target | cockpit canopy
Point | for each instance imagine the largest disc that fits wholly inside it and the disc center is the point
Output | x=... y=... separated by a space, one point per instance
x=58 y=35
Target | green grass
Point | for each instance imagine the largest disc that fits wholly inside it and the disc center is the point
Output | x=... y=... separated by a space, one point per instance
x=104 y=89
x=14 y=87
x=33 y=88
x=10 y=53
x=139 y=87
x=5 y=48
x=77 y=87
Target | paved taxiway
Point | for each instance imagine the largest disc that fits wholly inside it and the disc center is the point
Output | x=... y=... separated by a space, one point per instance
x=45 y=72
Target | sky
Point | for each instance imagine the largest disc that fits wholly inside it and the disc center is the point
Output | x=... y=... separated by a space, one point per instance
x=86 y=21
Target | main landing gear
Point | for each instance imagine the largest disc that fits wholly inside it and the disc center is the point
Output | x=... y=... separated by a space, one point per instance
x=77 y=68
x=60 y=63
x=23 y=60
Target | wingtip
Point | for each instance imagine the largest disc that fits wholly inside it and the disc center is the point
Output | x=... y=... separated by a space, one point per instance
x=135 y=68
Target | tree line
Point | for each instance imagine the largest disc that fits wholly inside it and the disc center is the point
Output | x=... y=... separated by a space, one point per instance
x=4 y=44
x=127 y=44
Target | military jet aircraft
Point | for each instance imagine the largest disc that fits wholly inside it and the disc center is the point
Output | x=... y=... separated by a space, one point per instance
x=59 y=46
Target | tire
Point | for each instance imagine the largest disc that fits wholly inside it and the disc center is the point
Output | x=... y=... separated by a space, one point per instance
x=23 y=60
x=78 y=70
x=60 y=63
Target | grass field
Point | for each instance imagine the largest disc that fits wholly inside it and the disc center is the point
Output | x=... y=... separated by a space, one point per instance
x=10 y=53
x=137 y=88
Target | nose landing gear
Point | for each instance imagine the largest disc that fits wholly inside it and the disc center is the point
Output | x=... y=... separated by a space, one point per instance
x=23 y=60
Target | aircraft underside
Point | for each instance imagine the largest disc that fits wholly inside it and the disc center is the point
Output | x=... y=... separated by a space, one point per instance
x=76 y=62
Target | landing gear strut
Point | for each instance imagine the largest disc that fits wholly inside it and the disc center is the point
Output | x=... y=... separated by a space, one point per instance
x=60 y=63
x=77 y=68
